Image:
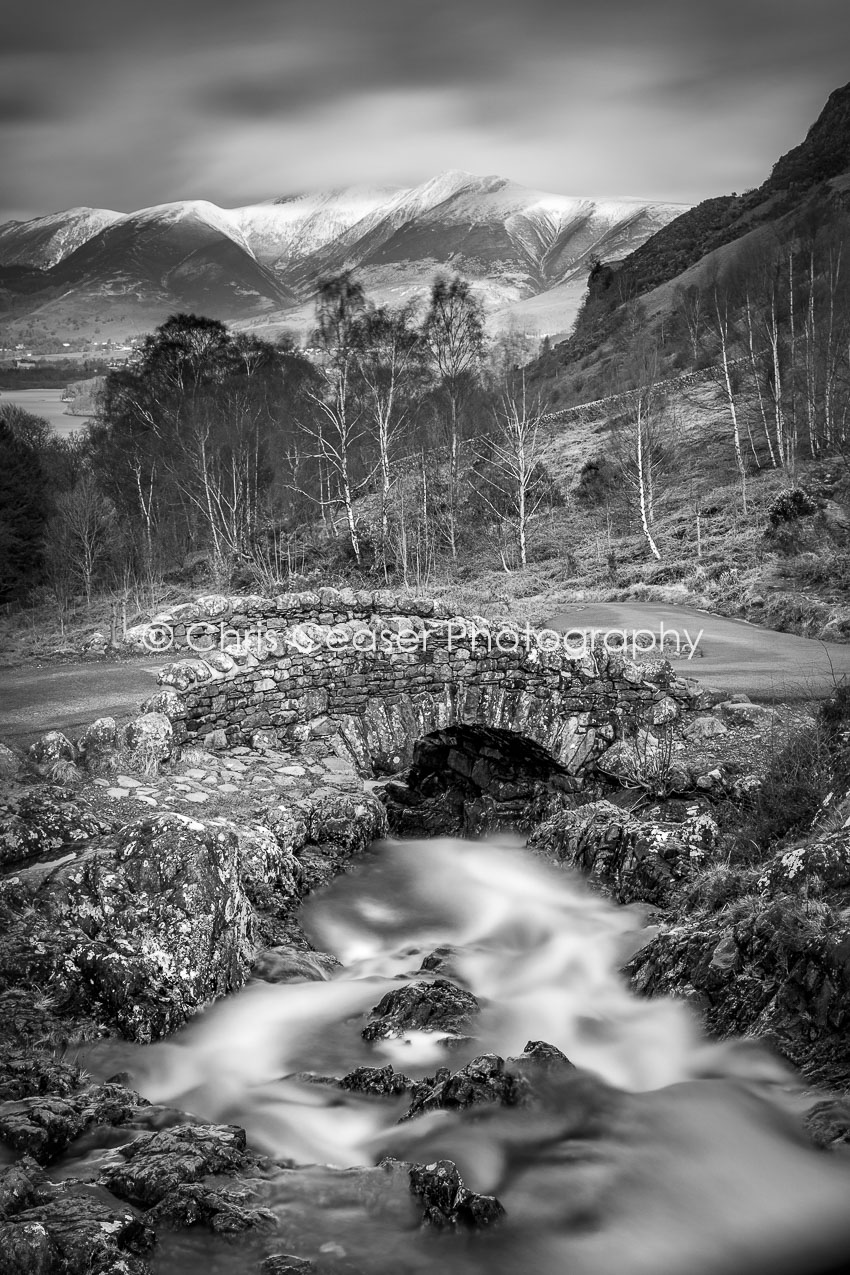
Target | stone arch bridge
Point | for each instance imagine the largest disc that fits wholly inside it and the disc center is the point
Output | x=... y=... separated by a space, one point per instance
x=377 y=672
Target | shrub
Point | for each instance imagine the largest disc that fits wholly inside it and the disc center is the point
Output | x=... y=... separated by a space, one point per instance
x=790 y=504
x=813 y=764
x=599 y=479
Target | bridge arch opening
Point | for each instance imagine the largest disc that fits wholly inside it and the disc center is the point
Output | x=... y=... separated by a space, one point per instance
x=471 y=781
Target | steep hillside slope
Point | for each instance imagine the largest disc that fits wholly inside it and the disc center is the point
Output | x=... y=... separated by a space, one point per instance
x=806 y=186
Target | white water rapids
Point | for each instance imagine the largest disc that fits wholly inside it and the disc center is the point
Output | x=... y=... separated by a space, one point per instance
x=699 y=1166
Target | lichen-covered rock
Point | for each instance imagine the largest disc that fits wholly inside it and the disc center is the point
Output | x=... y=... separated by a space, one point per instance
x=43 y=820
x=50 y=747
x=432 y=1007
x=776 y=967
x=746 y=714
x=22 y=1185
x=623 y=857
x=137 y=637
x=823 y=863
x=349 y=822
x=157 y=1164
x=165 y=923
x=339 y=826
x=98 y=747
x=148 y=741
x=448 y=1203
x=28 y=1249
x=268 y=869
x=78 y=1229
x=700 y=729
x=166 y=701
x=10 y=763
x=289 y=825
x=180 y=675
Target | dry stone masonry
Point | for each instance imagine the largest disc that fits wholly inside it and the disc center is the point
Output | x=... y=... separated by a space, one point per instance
x=376 y=672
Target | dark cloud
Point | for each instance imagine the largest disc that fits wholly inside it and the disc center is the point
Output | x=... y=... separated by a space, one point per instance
x=126 y=105
x=22 y=107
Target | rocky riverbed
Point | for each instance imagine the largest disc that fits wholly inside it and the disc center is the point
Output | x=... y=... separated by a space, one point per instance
x=141 y=884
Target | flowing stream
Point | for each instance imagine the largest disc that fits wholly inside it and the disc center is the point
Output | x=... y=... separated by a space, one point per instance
x=694 y=1161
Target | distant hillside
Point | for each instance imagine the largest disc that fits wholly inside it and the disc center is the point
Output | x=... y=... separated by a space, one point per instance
x=261 y=264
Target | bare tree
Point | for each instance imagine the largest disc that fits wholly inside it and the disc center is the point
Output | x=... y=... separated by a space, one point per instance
x=515 y=478
x=454 y=338
x=339 y=309
x=689 y=303
x=79 y=536
x=721 y=325
x=388 y=350
x=640 y=446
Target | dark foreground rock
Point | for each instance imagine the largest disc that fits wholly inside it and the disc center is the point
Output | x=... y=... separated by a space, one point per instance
x=627 y=858
x=158 y=1163
x=484 y=1080
x=434 y=1007
x=44 y=820
x=132 y=929
x=50 y=1229
x=141 y=927
x=447 y=1202
x=43 y=1127
x=772 y=960
x=286 y=1264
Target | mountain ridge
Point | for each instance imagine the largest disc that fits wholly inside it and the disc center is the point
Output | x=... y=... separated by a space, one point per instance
x=264 y=260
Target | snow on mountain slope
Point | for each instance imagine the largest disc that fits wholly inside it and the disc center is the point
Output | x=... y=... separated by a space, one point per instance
x=44 y=241
x=185 y=254
x=287 y=228
x=511 y=242
x=487 y=225
x=201 y=211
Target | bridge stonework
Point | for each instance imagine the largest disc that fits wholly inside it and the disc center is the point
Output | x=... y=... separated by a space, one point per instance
x=375 y=672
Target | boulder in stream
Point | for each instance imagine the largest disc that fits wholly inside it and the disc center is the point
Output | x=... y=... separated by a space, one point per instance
x=432 y=1007
x=448 y=1203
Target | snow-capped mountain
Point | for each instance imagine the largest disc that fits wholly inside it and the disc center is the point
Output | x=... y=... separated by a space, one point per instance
x=264 y=260
x=290 y=228
x=46 y=240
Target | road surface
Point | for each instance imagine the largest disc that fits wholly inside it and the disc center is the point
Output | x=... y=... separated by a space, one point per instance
x=730 y=654
x=68 y=697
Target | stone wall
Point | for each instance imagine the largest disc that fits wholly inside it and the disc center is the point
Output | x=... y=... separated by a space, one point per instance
x=215 y=618
x=378 y=681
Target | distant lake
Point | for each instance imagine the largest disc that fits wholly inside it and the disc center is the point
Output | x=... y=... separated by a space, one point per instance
x=47 y=404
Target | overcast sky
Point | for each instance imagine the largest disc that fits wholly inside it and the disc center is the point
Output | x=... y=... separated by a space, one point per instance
x=123 y=104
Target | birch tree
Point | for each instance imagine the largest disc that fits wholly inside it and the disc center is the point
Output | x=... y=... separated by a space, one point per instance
x=640 y=448
x=337 y=425
x=721 y=324
x=514 y=476
x=388 y=357
x=453 y=333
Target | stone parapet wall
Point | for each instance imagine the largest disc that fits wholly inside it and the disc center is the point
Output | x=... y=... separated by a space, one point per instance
x=380 y=684
x=235 y=616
